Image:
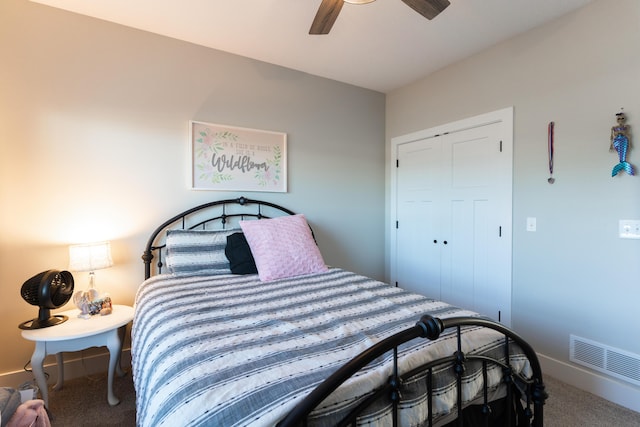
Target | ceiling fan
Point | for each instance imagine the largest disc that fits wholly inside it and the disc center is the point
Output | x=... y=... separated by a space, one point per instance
x=330 y=9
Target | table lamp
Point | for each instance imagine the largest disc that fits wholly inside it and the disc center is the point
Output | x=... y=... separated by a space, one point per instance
x=89 y=257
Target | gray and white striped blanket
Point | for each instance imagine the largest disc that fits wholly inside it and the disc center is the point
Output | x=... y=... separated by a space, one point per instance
x=233 y=351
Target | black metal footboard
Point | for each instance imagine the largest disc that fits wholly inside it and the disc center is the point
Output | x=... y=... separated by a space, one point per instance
x=525 y=396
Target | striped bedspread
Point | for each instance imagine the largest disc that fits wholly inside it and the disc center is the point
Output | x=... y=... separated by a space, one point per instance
x=230 y=350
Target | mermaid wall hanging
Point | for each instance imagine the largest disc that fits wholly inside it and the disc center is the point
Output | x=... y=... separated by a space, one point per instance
x=621 y=142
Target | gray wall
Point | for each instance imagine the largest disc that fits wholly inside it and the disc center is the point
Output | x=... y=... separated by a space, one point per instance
x=574 y=275
x=94 y=145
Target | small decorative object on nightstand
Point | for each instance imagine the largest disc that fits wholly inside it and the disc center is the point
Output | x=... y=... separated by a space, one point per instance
x=90 y=257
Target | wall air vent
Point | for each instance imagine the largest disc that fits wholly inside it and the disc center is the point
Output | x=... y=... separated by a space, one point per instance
x=609 y=360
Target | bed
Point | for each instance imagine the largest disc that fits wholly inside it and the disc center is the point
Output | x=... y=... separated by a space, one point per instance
x=240 y=322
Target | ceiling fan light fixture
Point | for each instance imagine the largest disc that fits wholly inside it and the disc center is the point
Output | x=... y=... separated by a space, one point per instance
x=359 y=1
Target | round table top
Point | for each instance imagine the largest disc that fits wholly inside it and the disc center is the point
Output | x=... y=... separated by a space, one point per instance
x=76 y=327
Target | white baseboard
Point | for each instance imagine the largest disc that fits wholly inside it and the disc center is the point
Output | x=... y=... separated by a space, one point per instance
x=614 y=390
x=76 y=365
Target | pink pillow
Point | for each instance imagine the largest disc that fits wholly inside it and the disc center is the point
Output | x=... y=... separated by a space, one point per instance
x=283 y=247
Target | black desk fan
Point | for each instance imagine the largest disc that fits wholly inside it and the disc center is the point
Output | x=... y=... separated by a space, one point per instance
x=50 y=289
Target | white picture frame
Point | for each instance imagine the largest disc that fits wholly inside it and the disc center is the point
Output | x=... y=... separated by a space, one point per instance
x=230 y=158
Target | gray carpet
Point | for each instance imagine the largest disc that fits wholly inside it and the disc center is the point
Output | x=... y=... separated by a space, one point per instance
x=83 y=402
x=568 y=406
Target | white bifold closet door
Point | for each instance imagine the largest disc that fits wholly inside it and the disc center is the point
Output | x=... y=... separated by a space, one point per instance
x=452 y=205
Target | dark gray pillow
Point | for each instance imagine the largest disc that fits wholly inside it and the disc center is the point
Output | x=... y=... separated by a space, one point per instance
x=239 y=255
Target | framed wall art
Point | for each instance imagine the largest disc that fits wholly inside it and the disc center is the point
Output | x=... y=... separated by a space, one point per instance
x=237 y=159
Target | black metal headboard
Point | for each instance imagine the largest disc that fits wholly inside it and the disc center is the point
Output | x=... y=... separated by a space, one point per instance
x=221 y=213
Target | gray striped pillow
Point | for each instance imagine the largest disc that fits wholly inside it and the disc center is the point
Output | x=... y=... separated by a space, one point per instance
x=198 y=251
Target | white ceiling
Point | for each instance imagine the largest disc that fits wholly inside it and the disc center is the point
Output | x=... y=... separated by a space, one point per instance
x=381 y=45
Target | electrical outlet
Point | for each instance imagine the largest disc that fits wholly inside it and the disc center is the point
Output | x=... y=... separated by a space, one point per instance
x=629 y=229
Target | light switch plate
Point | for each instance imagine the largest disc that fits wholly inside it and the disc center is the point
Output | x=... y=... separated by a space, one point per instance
x=629 y=229
x=531 y=224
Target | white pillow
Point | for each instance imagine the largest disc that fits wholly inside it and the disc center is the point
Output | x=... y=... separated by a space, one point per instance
x=198 y=251
x=283 y=247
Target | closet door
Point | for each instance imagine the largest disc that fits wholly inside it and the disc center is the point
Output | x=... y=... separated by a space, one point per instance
x=472 y=198
x=418 y=219
x=452 y=203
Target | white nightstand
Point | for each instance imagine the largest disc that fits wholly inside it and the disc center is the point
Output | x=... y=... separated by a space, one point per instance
x=78 y=334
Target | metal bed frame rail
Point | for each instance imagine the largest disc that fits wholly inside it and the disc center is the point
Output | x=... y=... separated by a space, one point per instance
x=430 y=327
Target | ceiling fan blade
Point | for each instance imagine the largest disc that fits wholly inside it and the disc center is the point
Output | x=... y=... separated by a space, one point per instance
x=326 y=16
x=428 y=8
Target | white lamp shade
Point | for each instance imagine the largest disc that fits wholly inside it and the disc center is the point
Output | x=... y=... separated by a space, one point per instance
x=90 y=256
